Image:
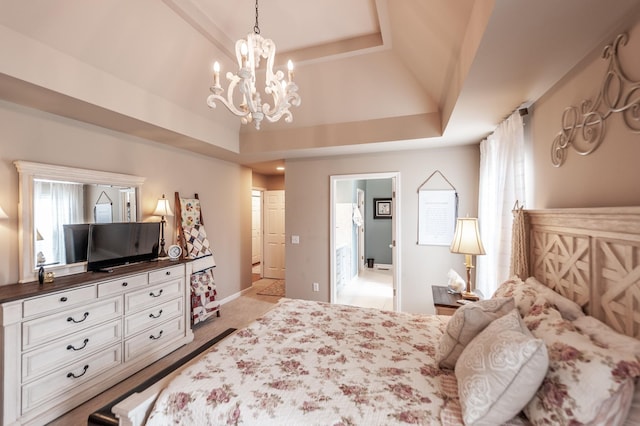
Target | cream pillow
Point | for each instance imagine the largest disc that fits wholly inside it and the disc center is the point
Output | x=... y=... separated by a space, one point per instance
x=499 y=371
x=606 y=336
x=567 y=308
x=523 y=295
x=465 y=324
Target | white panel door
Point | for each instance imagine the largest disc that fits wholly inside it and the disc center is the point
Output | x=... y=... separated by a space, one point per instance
x=256 y=227
x=274 y=235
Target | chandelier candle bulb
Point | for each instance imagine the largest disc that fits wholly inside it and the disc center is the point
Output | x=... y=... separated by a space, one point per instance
x=290 y=68
x=216 y=74
x=243 y=53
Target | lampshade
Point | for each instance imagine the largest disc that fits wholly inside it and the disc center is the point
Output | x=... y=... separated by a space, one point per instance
x=163 y=208
x=39 y=236
x=3 y=215
x=466 y=239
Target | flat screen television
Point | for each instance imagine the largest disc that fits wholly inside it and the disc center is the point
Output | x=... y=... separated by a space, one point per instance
x=116 y=244
x=76 y=240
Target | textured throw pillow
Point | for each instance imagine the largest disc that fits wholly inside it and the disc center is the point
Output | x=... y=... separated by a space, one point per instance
x=465 y=324
x=584 y=379
x=499 y=371
x=567 y=308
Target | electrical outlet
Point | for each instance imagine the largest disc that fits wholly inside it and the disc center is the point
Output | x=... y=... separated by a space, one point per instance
x=316 y=287
x=295 y=239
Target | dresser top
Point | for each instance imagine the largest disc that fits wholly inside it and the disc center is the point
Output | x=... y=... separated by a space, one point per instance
x=11 y=292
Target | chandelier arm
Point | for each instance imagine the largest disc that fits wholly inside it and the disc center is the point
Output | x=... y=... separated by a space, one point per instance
x=228 y=101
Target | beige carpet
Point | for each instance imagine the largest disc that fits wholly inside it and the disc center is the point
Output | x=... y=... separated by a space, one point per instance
x=274 y=289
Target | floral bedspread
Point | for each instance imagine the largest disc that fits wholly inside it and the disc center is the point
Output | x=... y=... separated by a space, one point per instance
x=311 y=363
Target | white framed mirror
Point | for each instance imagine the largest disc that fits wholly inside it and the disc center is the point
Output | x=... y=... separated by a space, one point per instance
x=53 y=198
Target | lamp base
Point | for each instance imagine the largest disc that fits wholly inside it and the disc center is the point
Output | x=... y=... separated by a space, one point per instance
x=469 y=295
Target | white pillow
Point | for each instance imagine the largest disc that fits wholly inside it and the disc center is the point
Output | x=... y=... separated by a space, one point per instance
x=465 y=324
x=499 y=371
x=585 y=378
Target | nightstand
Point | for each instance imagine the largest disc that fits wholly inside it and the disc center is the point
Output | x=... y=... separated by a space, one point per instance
x=445 y=302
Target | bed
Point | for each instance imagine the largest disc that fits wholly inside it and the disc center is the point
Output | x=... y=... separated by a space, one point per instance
x=571 y=328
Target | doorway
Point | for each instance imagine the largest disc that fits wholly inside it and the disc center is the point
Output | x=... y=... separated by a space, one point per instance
x=356 y=276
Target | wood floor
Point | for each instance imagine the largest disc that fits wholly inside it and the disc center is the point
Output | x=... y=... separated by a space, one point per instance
x=237 y=314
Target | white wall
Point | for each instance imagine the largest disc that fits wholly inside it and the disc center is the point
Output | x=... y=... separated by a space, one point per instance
x=224 y=188
x=308 y=209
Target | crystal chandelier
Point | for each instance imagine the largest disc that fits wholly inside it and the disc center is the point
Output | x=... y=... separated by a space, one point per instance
x=251 y=109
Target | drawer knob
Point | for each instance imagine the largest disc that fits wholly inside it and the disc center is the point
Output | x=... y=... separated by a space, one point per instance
x=84 y=317
x=84 y=370
x=156 y=295
x=156 y=316
x=124 y=284
x=152 y=337
x=84 y=345
x=63 y=299
x=168 y=273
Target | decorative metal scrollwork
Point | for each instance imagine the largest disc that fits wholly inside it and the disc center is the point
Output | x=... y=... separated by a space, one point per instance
x=617 y=94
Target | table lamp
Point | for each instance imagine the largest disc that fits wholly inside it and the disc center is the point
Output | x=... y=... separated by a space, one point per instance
x=162 y=209
x=466 y=240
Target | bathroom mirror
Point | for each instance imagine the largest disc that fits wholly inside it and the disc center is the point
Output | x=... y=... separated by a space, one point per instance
x=56 y=203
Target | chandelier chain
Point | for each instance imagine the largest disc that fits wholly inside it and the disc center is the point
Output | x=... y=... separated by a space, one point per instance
x=256 y=28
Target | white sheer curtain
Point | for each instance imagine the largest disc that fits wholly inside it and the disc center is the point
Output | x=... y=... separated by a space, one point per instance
x=55 y=204
x=501 y=184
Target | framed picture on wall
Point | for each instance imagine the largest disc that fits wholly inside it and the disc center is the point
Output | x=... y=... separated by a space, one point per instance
x=382 y=208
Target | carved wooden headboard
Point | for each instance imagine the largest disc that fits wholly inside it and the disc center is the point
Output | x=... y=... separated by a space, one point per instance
x=591 y=256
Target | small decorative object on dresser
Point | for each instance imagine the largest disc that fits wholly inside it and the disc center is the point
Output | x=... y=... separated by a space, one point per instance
x=174 y=252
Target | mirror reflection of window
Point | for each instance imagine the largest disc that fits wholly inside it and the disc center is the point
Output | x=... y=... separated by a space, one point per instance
x=55 y=204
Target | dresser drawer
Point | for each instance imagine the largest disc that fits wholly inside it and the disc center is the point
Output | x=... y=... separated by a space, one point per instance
x=156 y=337
x=166 y=274
x=55 y=301
x=53 y=326
x=141 y=299
x=67 y=378
x=152 y=316
x=109 y=288
x=69 y=349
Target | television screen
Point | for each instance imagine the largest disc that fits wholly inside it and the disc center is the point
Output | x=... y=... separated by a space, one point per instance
x=76 y=239
x=115 y=244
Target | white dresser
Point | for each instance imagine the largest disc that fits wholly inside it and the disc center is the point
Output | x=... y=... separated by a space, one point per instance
x=65 y=342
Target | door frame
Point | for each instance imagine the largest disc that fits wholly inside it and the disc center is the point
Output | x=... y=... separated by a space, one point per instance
x=361 y=198
x=395 y=230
